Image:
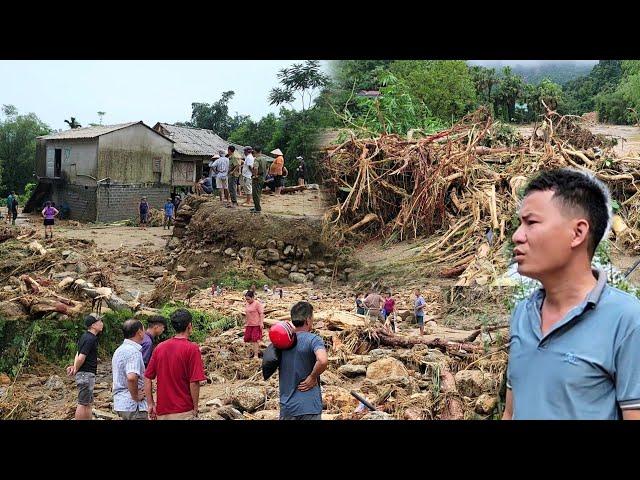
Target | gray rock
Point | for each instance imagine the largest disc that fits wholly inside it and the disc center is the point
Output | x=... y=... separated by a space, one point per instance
x=310 y=276
x=280 y=245
x=229 y=413
x=61 y=275
x=66 y=253
x=54 y=383
x=352 y=371
x=322 y=280
x=313 y=268
x=246 y=252
x=378 y=415
x=204 y=265
x=286 y=266
x=321 y=264
x=297 y=277
x=472 y=383
x=294 y=267
x=276 y=273
x=268 y=255
x=180 y=269
x=198 y=252
x=289 y=250
x=248 y=399
x=271 y=243
x=230 y=252
x=102 y=415
x=216 y=402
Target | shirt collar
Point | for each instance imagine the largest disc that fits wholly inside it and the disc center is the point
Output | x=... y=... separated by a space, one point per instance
x=131 y=342
x=594 y=295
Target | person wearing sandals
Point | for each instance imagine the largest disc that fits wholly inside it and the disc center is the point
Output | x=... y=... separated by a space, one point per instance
x=49 y=213
x=254 y=312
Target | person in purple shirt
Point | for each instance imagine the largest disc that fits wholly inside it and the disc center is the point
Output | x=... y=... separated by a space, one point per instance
x=156 y=325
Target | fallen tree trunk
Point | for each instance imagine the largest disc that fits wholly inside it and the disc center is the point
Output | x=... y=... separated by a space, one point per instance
x=475 y=334
x=447 y=346
x=453 y=406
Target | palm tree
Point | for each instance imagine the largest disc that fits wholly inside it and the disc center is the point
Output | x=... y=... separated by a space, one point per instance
x=101 y=114
x=73 y=123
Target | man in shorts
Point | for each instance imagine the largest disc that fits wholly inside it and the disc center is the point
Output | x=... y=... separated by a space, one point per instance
x=85 y=366
x=204 y=186
x=221 y=169
x=235 y=164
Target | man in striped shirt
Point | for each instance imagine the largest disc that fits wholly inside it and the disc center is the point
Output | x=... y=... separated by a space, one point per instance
x=128 y=374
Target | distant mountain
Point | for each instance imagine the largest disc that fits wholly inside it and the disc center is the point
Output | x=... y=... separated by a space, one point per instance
x=534 y=71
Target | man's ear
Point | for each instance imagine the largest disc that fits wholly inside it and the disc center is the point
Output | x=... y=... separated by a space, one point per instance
x=580 y=232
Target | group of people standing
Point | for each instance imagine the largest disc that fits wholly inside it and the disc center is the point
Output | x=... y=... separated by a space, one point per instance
x=176 y=367
x=382 y=307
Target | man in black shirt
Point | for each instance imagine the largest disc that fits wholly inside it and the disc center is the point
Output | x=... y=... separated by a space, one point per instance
x=85 y=366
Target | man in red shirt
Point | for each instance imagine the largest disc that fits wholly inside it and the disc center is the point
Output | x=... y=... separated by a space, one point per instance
x=177 y=364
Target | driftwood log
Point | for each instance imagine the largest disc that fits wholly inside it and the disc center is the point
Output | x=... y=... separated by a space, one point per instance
x=399 y=341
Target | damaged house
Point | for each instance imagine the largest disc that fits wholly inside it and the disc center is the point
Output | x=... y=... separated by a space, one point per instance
x=99 y=173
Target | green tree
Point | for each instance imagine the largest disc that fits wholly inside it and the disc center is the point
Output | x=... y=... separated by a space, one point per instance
x=214 y=116
x=18 y=148
x=446 y=87
x=72 y=122
x=510 y=89
x=101 y=115
x=485 y=79
x=301 y=79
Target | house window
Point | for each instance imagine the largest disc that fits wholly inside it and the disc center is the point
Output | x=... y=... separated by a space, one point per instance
x=157 y=165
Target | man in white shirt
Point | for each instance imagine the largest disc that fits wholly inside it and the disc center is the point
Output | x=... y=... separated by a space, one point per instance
x=247 y=173
x=127 y=368
x=221 y=169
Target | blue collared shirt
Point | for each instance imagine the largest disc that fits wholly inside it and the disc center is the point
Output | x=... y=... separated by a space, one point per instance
x=127 y=359
x=586 y=367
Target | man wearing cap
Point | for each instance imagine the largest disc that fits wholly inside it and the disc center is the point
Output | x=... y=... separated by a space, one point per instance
x=221 y=169
x=277 y=169
x=575 y=343
x=259 y=173
x=85 y=366
x=235 y=163
x=127 y=368
x=300 y=170
x=247 y=173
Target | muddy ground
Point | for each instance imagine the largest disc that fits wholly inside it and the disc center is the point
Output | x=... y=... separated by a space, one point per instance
x=137 y=259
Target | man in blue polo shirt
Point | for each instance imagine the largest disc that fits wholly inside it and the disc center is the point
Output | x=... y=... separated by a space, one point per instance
x=575 y=343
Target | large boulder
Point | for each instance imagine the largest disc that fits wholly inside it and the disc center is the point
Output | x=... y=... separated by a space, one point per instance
x=296 y=277
x=54 y=383
x=248 y=399
x=352 y=371
x=339 y=398
x=276 y=273
x=268 y=255
x=322 y=280
x=289 y=250
x=246 y=252
x=485 y=404
x=267 y=415
x=472 y=383
x=229 y=413
x=386 y=368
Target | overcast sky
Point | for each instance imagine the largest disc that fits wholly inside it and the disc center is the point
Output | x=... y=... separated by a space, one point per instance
x=151 y=91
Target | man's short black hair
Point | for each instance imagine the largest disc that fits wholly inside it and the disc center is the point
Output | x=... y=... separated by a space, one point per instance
x=257 y=149
x=157 y=319
x=232 y=148
x=180 y=320
x=130 y=327
x=250 y=293
x=300 y=312
x=577 y=190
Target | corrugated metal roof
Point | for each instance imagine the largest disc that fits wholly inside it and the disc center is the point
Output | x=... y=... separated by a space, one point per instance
x=87 y=132
x=197 y=141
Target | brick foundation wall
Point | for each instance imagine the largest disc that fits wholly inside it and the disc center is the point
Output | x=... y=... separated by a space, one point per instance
x=81 y=201
x=119 y=202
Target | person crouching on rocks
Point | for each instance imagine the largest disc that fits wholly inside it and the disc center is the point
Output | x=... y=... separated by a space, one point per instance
x=254 y=313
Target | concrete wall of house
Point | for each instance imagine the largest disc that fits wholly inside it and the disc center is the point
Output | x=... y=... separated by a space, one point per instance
x=127 y=156
x=79 y=160
x=119 y=202
x=41 y=157
x=81 y=200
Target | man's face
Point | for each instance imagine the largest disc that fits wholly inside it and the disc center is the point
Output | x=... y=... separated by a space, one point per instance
x=98 y=326
x=139 y=336
x=249 y=299
x=545 y=237
x=157 y=329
